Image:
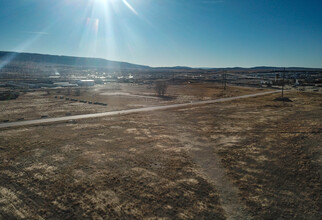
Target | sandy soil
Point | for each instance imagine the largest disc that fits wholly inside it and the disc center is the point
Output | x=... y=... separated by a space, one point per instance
x=247 y=159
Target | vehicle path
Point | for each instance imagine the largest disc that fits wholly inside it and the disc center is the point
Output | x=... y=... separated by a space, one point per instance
x=128 y=111
x=211 y=166
x=128 y=94
x=204 y=155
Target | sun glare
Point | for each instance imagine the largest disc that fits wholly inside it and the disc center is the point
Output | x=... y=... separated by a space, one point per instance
x=99 y=17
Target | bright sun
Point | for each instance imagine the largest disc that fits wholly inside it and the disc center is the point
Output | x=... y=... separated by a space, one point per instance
x=125 y=2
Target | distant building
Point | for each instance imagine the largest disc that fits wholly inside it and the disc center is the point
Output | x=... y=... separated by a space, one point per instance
x=65 y=84
x=54 y=77
x=22 y=85
x=266 y=82
x=86 y=82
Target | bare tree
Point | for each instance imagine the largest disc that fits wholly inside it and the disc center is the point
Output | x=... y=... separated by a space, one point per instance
x=77 y=92
x=68 y=91
x=161 y=88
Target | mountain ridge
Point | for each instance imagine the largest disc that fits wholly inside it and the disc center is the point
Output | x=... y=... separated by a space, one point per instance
x=67 y=60
x=10 y=56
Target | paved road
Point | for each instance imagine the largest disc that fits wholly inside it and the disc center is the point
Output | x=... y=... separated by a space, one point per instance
x=129 y=111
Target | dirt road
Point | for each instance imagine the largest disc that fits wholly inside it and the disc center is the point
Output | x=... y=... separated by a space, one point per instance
x=251 y=158
x=129 y=111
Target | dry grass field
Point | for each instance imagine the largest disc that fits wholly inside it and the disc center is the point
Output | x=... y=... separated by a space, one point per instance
x=33 y=105
x=245 y=159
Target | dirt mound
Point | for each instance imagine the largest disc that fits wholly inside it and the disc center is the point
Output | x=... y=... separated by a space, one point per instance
x=283 y=99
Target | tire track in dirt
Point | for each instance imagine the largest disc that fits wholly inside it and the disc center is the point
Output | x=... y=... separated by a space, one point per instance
x=205 y=157
x=228 y=193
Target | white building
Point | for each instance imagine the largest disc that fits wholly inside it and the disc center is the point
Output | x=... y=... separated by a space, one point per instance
x=87 y=82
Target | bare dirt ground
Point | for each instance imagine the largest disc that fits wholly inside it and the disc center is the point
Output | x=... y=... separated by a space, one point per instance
x=245 y=159
x=118 y=96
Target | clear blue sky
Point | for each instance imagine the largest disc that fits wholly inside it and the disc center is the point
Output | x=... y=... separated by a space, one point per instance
x=197 y=33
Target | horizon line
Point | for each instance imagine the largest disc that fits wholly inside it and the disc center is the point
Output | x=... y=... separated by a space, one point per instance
x=176 y=66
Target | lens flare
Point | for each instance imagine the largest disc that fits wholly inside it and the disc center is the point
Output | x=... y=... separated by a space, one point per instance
x=129 y=6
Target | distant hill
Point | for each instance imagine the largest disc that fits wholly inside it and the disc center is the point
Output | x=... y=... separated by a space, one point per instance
x=5 y=57
x=266 y=68
x=66 y=60
x=174 y=68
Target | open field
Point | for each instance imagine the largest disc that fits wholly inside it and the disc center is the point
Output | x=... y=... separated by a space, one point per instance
x=244 y=159
x=33 y=105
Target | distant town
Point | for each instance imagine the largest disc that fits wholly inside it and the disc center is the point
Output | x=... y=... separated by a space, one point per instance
x=35 y=71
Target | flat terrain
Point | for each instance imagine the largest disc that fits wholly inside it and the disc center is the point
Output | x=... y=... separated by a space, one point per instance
x=128 y=111
x=252 y=158
x=34 y=105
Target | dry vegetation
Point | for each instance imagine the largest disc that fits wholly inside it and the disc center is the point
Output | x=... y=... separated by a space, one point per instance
x=33 y=105
x=247 y=159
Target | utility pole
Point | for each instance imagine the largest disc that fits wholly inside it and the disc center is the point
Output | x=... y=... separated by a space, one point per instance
x=225 y=80
x=283 y=83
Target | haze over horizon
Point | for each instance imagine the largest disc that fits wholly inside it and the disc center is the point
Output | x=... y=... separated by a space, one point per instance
x=227 y=33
